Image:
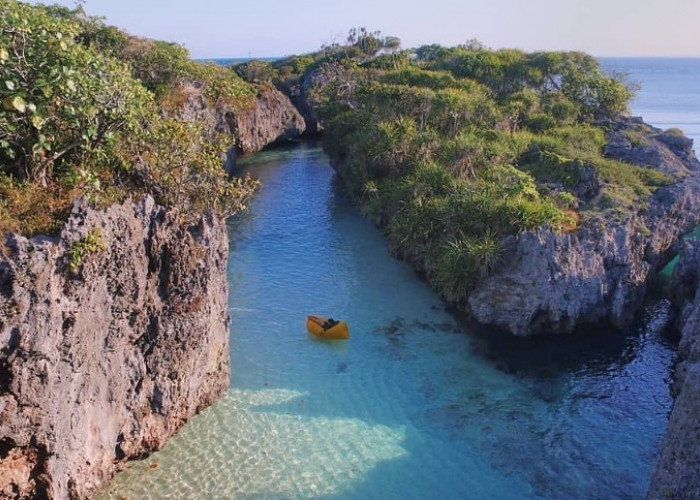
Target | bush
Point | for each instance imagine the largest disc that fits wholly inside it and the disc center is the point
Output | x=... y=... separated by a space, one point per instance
x=74 y=121
x=253 y=71
x=62 y=103
x=91 y=243
x=182 y=166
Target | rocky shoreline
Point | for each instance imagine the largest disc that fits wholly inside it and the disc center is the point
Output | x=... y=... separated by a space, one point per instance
x=676 y=472
x=106 y=355
x=598 y=273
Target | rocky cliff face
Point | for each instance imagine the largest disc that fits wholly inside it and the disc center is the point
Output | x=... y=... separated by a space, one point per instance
x=267 y=118
x=677 y=472
x=306 y=93
x=555 y=282
x=272 y=118
x=103 y=362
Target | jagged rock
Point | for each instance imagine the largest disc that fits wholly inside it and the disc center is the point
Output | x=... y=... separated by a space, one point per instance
x=306 y=94
x=677 y=471
x=272 y=118
x=254 y=123
x=552 y=283
x=665 y=151
x=104 y=363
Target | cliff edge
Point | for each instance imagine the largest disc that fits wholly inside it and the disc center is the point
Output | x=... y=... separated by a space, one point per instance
x=266 y=118
x=553 y=282
x=113 y=335
x=677 y=472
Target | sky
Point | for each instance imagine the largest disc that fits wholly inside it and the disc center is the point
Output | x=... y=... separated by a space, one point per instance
x=268 y=28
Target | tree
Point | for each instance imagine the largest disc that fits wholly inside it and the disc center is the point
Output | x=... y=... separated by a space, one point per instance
x=62 y=102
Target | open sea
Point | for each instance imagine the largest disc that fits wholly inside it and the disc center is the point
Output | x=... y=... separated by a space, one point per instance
x=669 y=94
x=415 y=405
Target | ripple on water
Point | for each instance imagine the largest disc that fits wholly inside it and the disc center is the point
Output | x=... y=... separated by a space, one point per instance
x=412 y=406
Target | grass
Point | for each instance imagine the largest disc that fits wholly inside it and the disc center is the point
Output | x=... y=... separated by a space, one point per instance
x=89 y=244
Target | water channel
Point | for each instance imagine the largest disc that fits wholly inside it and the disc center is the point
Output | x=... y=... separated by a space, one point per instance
x=414 y=405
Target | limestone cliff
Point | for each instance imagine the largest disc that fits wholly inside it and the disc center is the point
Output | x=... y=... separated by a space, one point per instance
x=268 y=117
x=306 y=92
x=555 y=282
x=677 y=472
x=106 y=349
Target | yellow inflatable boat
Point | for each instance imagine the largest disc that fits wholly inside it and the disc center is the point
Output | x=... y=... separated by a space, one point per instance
x=327 y=328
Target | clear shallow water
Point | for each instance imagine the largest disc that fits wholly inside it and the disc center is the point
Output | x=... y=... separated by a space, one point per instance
x=669 y=94
x=413 y=405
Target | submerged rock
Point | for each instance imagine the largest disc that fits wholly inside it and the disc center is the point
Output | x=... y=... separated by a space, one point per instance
x=106 y=348
x=677 y=472
x=553 y=283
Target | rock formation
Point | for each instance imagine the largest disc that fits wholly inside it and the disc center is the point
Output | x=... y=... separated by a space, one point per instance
x=677 y=472
x=272 y=118
x=555 y=282
x=306 y=92
x=269 y=117
x=107 y=348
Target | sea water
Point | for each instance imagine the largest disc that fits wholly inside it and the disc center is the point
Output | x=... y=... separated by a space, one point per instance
x=415 y=404
x=668 y=94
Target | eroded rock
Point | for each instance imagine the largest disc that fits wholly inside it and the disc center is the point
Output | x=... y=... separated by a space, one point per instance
x=553 y=283
x=677 y=471
x=255 y=122
x=104 y=363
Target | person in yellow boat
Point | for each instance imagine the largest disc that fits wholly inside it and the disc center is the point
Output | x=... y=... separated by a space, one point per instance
x=329 y=323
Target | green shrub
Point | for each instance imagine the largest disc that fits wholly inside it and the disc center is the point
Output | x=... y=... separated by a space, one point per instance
x=455 y=151
x=255 y=70
x=89 y=244
x=183 y=167
x=461 y=262
x=62 y=103
x=74 y=121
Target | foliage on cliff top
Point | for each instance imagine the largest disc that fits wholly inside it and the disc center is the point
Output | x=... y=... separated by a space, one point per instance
x=78 y=116
x=453 y=149
x=160 y=65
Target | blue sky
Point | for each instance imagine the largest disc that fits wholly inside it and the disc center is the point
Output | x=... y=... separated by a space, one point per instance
x=236 y=28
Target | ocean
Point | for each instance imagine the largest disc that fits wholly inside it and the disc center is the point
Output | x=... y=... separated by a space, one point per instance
x=669 y=91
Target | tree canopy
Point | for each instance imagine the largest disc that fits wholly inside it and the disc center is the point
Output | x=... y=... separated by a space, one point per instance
x=76 y=97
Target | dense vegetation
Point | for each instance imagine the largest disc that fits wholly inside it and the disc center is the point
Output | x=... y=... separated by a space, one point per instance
x=451 y=150
x=88 y=110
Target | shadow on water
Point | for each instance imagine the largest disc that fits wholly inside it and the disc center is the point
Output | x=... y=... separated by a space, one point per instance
x=591 y=349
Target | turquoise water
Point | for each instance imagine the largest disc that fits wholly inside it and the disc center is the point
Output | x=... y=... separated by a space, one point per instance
x=414 y=405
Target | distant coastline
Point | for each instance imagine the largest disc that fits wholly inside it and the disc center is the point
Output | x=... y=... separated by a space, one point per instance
x=227 y=61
